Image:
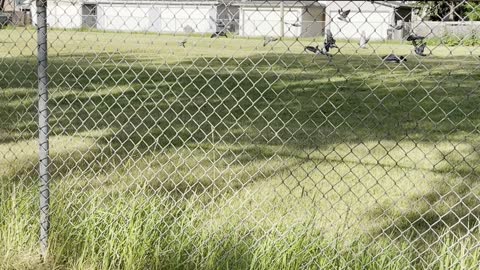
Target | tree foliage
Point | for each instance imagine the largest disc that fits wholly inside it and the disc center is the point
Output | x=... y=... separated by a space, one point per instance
x=446 y=10
x=473 y=10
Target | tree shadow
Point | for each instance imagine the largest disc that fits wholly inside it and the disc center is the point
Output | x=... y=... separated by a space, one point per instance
x=451 y=206
x=290 y=101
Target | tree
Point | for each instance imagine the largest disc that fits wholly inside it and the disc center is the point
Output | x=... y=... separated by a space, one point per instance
x=452 y=10
x=473 y=10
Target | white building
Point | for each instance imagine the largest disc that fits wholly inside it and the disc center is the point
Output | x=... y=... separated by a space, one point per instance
x=373 y=18
x=134 y=15
x=282 y=18
x=245 y=17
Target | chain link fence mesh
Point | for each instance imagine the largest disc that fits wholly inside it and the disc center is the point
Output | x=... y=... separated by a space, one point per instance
x=245 y=134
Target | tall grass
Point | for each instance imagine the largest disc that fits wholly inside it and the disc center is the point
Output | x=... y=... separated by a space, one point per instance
x=151 y=234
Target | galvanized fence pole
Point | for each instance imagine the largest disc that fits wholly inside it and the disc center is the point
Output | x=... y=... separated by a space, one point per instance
x=43 y=128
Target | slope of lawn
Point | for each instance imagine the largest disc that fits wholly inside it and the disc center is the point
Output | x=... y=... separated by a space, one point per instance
x=230 y=155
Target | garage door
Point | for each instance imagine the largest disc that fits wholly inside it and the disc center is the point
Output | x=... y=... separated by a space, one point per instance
x=64 y=15
x=179 y=18
x=375 y=25
x=158 y=18
x=267 y=22
x=123 y=17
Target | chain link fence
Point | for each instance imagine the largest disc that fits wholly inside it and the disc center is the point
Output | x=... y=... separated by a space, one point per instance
x=240 y=135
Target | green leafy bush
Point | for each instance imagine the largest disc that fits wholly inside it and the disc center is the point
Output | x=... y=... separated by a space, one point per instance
x=452 y=40
x=473 y=11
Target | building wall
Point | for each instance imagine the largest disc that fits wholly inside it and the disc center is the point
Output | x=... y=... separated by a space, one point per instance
x=266 y=21
x=14 y=5
x=230 y=16
x=374 y=19
x=313 y=21
x=135 y=16
x=61 y=14
x=156 y=18
x=355 y=6
x=8 y=6
x=439 y=29
x=122 y=17
x=372 y=23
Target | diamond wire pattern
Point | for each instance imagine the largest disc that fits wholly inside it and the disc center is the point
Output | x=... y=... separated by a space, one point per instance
x=257 y=139
x=17 y=135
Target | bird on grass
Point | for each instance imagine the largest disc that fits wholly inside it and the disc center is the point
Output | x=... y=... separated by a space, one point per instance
x=182 y=43
x=397 y=26
x=363 y=40
x=319 y=51
x=419 y=50
x=268 y=40
x=392 y=58
x=295 y=24
x=219 y=34
x=343 y=15
x=327 y=45
x=313 y=49
x=329 y=42
x=414 y=38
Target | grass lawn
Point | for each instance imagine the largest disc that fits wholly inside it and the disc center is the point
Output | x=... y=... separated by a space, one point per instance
x=230 y=155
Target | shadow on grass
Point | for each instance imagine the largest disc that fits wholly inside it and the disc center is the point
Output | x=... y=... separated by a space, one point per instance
x=290 y=101
x=451 y=206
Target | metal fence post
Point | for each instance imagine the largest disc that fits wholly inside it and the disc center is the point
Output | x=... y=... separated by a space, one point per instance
x=43 y=128
x=282 y=19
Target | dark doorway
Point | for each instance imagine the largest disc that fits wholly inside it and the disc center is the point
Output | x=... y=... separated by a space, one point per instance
x=89 y=16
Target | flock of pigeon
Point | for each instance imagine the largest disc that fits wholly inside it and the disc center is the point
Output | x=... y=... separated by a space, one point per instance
x=217 y=34
x=329 y=43
x=417 y=42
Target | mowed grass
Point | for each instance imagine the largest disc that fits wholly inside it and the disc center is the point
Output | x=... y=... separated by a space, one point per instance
x=230 y=155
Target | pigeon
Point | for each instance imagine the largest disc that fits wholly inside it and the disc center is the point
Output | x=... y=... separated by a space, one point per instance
x=295 y=24
x=327 y=45
x=343 y=15
x=219 y=34
x=267 y=40
x=419 y=50
x=412 y=37
x=363 y=40
x=312 y=49
x=316 y=50
x=397 y=26
x=394 y=59
x=182 y=43
x=329 y=40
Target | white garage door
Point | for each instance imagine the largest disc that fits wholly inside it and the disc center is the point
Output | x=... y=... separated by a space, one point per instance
x=123 y=17
x=267 y=22
x=179 y=18
x=158 y=18
x=64 y=15
x=375 y=25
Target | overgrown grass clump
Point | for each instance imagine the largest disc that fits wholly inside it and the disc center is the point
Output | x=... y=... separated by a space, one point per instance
x=136 y=233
